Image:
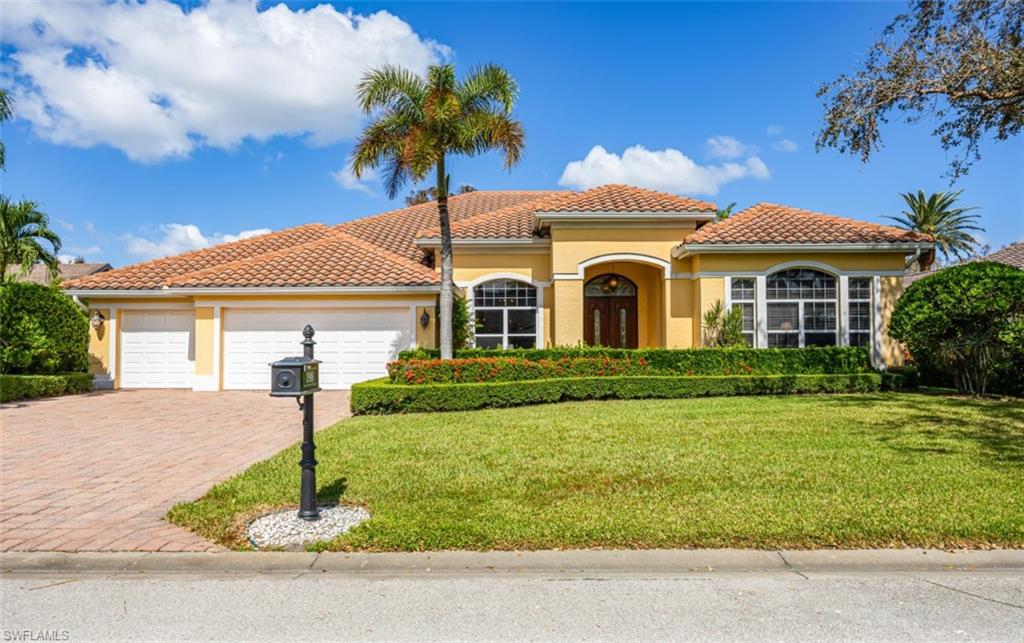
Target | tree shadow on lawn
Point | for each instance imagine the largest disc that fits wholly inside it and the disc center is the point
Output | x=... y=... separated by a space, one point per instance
x=332 y=492
x=997 y=427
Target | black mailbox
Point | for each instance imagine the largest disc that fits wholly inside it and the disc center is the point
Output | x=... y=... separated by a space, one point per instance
x=294 y=377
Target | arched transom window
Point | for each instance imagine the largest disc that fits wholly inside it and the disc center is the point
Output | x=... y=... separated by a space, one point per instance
x=505 y=313
x=802 y=308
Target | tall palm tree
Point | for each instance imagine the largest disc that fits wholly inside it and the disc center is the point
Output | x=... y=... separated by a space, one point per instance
x=418 y=122
x=937 y=215
x=23 y=228
x=6 y=111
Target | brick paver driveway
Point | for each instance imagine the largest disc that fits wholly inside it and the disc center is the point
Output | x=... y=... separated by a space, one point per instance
x=99 y=471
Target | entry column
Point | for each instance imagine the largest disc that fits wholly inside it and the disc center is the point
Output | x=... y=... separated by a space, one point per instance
x=568 y=312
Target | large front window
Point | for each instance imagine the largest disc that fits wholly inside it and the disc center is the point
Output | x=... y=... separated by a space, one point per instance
x=801 y=307
x=505 y=312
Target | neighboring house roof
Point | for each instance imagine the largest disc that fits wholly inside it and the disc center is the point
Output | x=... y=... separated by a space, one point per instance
x=1011 y=255
x=769 y=223
x=66 y=271
x=382 y=250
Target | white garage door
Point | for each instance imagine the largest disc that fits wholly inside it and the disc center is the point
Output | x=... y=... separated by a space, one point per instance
x=157 y=348
x=353 y=344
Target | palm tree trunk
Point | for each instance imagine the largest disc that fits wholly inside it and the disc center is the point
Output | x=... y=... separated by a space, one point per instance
x=447 y=287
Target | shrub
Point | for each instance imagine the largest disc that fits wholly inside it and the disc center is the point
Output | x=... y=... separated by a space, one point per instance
x=23 y=387
x=511 y=369
x=42 y=331
x=699 y=361
x=723 y=327
x=462 y=330
x=900 y=378
x=966 y=321
x=382 y=397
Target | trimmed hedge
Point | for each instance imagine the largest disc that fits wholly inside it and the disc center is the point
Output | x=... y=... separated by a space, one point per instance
x=23 y=387
x=382 y=397
x=42 y=331
x=900 y=378
x=693 y=361
x=512 y=369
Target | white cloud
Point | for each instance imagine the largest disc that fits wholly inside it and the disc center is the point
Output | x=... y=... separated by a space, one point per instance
x=346 y=179
x=785 y=145
x=156 y=81
x=65 y=225
x=66 y=258
x=669 y=170
x=176 y=238
x=84 y=250
x=728 y=147
x=773 y=130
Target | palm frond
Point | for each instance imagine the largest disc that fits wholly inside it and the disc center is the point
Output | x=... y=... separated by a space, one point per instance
x=488 y=84
x=383 y=87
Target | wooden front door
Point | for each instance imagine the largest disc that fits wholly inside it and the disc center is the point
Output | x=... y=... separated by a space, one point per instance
x=610 y=321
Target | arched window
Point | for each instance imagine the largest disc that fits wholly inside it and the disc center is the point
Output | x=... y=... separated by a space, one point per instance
x=505 y=312
x=801 y=305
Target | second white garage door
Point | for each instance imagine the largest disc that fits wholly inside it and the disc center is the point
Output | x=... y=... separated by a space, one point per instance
x=354 y=344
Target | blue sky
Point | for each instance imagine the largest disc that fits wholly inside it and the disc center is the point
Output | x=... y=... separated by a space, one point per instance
x=721 y=97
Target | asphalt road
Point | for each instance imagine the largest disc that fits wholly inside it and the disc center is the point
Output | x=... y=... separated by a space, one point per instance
x=759 y=606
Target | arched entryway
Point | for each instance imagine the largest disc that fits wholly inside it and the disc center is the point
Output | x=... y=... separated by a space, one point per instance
x=609 y=311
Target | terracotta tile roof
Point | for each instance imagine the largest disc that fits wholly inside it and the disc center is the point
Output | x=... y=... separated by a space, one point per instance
x=511 y=222
x=395 y=230
x=1011 y=255
x=772 y=223
x=336 y=260
x=154 y=274
x=626 y=198
x=518 y=221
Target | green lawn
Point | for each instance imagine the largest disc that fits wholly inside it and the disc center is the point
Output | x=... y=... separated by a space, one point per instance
x=875 y=470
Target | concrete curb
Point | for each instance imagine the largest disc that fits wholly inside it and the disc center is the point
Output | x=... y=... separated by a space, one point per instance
x=573 y=564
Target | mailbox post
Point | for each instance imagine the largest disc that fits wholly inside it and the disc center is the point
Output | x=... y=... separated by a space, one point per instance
x=299 y=377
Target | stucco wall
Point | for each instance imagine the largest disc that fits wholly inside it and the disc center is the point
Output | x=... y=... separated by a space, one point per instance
x=892 y=351
x=204 y=341
x=99 y=346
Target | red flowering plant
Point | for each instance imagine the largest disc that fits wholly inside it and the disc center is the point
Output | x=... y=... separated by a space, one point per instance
x=511 y=369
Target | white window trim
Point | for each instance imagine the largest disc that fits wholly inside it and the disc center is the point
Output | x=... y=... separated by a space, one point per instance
x=842 y=301
x=729 y=302
x=469 y=287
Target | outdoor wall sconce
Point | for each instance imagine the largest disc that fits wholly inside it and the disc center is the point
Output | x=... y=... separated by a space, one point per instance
x=424 y=319
x=97 y=319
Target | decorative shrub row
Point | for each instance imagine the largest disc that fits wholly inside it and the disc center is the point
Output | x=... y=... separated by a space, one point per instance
x=42 y=331
x=513 y=369
x=900 y=378
x=699 y=361
x=23 y=387
x=382 y=397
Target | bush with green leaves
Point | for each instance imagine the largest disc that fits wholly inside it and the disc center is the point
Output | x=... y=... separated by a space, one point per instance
x=511 y=369
x=966 y=321
x=26 y=387
x=462 y=331
x=42 y=331
x=723 y=328
x=383 y=397
x=690 y=361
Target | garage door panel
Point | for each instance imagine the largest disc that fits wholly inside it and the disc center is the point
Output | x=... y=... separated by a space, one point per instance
x=353 y=344
x=157 y=349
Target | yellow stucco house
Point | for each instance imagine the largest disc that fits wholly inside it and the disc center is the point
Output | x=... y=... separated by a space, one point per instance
x=616 y=265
